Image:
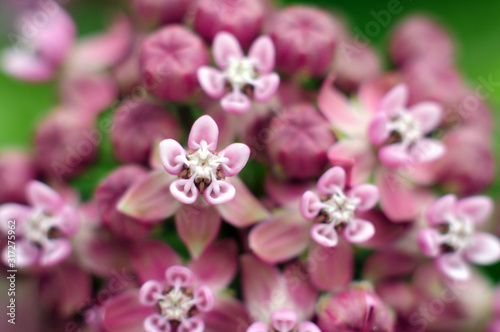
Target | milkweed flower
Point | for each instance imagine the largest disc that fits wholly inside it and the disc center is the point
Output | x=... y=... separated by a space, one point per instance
x=452 y=238
x=240 y=77
x=201 y=169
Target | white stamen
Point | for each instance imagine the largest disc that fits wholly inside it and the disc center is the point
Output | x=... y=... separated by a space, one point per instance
x=340 y=208
x=240 y=71
x=407 y=126
x=203 y=164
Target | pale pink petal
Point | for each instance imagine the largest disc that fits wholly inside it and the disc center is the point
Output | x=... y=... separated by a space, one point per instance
x=281 y=237
x=372 y=91
x=302 y=293
x=308 y=327
x=156 y=323
x=179 y=276
x=331 y=269
x=428 y=114
x=228 y=315
x=14 y=215
x=197 y=227
x=438 y=211
x=283 y=320
x=310 y=205
x=193 y=324
x=55 y=251
x=224 y=47
x=212 y=81
x=429 y=241
x=184 y=191
x=394 y=100
x=235 y=158
x=67 y=221
x=204 y=129
x=265 y=87
x=325 y=235
x=484 y=249
x=236 y=102
x=359 y=230
x=150 y=259
x=27 y=254
x=258 y=327
x=244 y=209
x=42 y=196
x=378 y=130
x=172 y=156
x=453 y=266
x=150 y=200
x=386 y=231
x=124 y=313
x=332 y=181
x=150 y=291
x=217 y=265
x=219 y=192
x=204 y=298
x=426 y=150
x=355 y=152
x=367 y=194
x=263 y=53
x=476 y=208
x=395 y=155
x=26 y=66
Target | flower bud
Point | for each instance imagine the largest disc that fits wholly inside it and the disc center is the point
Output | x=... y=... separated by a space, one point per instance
x=170 y=59
x=298 y=141
x=160 y=11
x=16 y=170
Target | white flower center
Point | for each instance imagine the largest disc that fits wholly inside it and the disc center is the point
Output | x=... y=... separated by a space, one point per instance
x=203 y=164
x=240 y=71
x=407 y=126
x=458 y=232
x=37 y=227
x=340 y=208
x=176 y=305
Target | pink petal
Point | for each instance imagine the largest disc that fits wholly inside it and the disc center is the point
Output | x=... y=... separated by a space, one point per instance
x=244 y=209
x=265 y=87
x=179 y=276
x=17 y=213
x=149 y=292
x=156 y=323
x=429 y=241
x=453 y=266
x=124 y=313
x=308 y=327
x=385 y=230
x=42 y=196
x=428 y=114
x=150 y=200
x=225 y=46
x=395 y=155
x=394 y=100
x=184 y=191
x=324 y=234
x=484 y=249
x=172 y=156
x=197 y=227
x=26 y=66
x=150 y=259
x=426 y=150
x=378 y=131
x=331 y=269
x=217 y=265
x=281 y=237
x=212 y=81
x=355 y=152
x=219 y=192
x=332 y=181
x=204 y=298
x=302 y=293
x=236 y=155
x=477 y=208
x=27 y=254
x=359 y=230
x=204 y=130
x=236 y=102
x=309 y=205
x=55 y=251
x=264 y=54
x=438 y=211
x=284 y=319
x=258 y=327
x=67 y=221
x=367 y=194
x=193 y=324
x=228 y=315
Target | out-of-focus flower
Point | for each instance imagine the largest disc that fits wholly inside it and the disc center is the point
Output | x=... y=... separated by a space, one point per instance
x=241 y=18
x=298 y=142
x=452 y=238
x=202 y=170
x=42 y=230
x=240 y=78
x=305 y=39
x=159 y=12
x=17 y=168
x=335 y=211
x=170 y=58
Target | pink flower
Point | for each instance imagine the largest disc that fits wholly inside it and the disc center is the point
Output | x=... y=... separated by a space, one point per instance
x=202 y=170
x=42 y=230
x=335 y=212
x=452 y=238
x=246 y=77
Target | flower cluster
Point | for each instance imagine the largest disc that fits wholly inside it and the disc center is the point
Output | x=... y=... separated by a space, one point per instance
x=351 y=195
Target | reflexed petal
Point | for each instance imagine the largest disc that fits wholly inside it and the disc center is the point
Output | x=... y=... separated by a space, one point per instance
x=477 y=208
x=204 y=297
x=378 y=131
x=172 y=156
x=355 y=152
x=394 y=155
x=184 y=191
x=204 y=129
x=42 y=196
x=484 y=249
x=331 y=269
x=309 y=205
x=67 y=221
x=156 y=323
x=368 y=195
x=212 y=81
x=333 y=181
x=55 y=251
x=227 y=315
x=284 y=319
x=453 y=266
x=236 y=155
x=179 y=276
x=124 y=313
x=428 y=114
x=308 y=327
x=438 y=211
x=27 y=254
x=258 y=327
x=325 y=235
x=150 y=259
x=224 y=47
x=264 y=54
x=26 y=66
x=429 y=241
x=219 y=192
x=265 y=87
x=149 y=292
x=236 y=102
x=303 y=295
x=426 y=150
x=14 y=212
x=394 y=100
x=359 y=230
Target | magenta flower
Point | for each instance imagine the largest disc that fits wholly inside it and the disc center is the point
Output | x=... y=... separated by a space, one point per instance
x=244 y=77
x=335 y=211
x=202 y=170
x=42 y=230
x=452 y=238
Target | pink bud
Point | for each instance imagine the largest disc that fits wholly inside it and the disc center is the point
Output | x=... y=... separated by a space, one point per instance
x=137 y=126
x=16 y=170
x=241 y=18
x=305 y=39
x=298 y=141
x=170 y=58
x=160 y=11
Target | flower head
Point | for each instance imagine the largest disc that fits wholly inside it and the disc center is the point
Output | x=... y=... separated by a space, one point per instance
x=202 y=170
x=284 y=320
x=244 y=76
x=335 y=210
